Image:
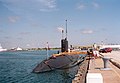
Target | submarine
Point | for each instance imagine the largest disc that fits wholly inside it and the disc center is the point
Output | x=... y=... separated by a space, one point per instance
x=63 y=60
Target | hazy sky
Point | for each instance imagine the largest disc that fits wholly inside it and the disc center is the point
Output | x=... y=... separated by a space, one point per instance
x=32 y=23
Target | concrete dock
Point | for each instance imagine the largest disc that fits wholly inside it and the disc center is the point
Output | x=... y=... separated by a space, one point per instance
x=96 y=66
x=109 y=76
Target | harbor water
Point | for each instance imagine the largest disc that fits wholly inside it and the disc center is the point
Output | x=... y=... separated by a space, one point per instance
x=16 y=67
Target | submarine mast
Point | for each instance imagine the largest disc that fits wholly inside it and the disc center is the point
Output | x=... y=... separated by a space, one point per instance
x=64 y=42
x=66 y=29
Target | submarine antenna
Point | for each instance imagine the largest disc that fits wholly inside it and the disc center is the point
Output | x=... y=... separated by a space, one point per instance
x=66 y=29
x=62 y=34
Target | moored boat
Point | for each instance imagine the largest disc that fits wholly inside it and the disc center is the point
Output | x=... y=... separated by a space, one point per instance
x=63 y=61
x=60 y=61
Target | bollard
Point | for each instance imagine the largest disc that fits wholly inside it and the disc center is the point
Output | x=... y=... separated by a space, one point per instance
x=106 y=63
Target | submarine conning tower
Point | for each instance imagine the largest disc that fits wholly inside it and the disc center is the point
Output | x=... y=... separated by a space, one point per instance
x=64 y=42
x=64 y=45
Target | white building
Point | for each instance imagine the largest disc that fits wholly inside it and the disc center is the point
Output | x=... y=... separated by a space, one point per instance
x=110 y=46
x=1 y=49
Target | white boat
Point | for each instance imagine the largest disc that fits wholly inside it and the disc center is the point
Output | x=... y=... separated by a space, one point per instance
x=16 y=49
x=19 y=49
x=1 y=49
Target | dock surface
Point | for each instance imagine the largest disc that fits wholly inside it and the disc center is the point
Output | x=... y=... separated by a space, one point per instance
x=115 y=55
x=96 y=66
x=109 y=76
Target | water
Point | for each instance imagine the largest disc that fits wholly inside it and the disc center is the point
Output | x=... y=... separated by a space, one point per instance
x=16 y=67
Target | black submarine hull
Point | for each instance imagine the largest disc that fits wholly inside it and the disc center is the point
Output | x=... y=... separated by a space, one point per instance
x=63 y=61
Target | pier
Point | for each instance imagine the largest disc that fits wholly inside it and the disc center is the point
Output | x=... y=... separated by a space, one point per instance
x=97 y=72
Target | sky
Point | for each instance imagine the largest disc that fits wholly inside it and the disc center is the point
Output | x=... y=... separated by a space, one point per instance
x=32 y=23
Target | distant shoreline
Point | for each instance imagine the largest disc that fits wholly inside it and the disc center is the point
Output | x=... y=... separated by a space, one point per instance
x=42 y=49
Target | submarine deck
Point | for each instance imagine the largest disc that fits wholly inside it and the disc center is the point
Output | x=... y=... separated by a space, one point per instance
x=70 y=53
